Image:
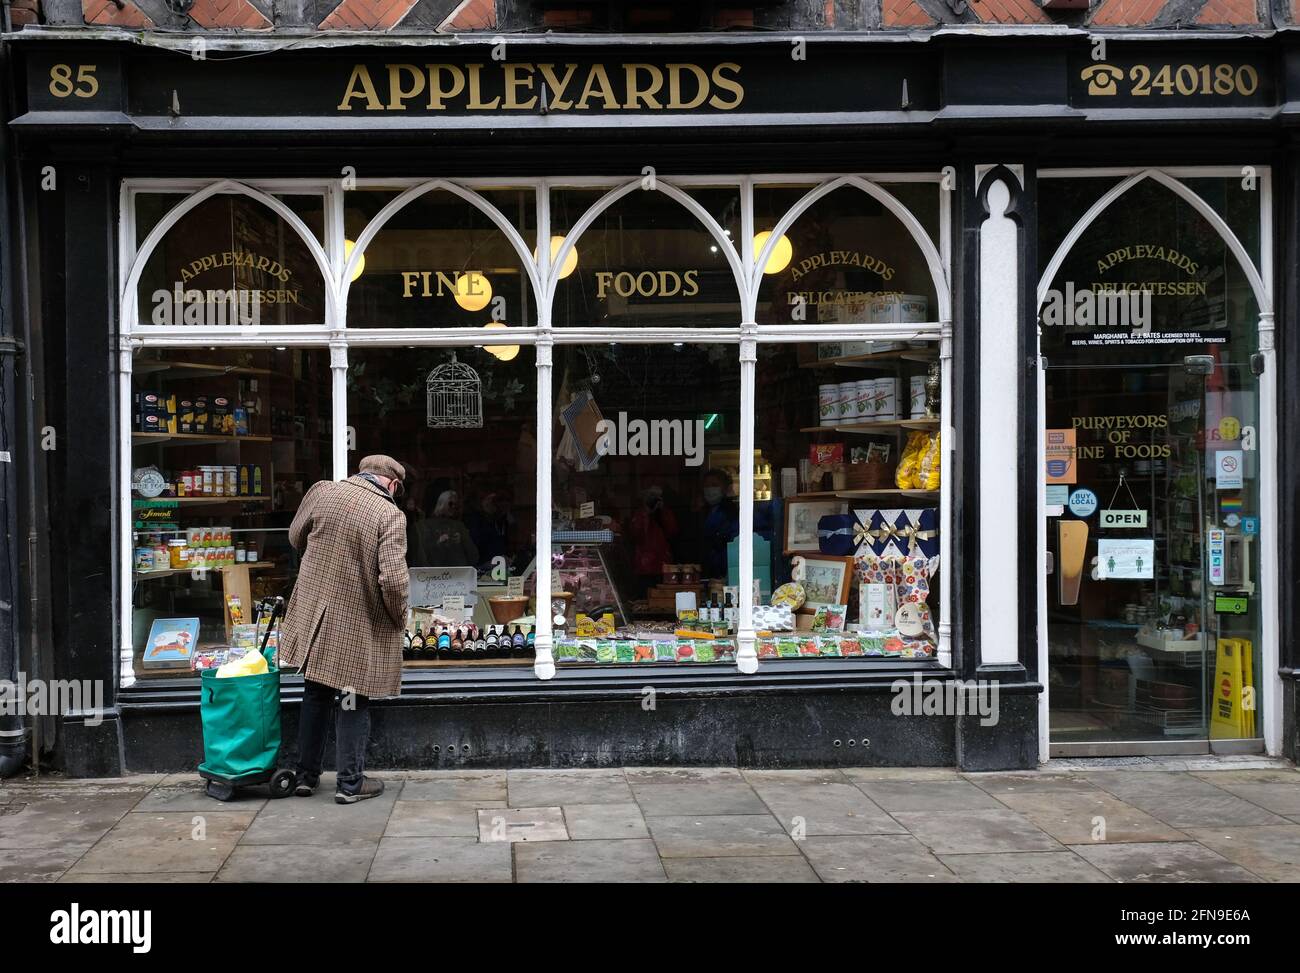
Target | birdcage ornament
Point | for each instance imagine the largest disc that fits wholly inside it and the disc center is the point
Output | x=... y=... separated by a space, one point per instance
x=455 y=397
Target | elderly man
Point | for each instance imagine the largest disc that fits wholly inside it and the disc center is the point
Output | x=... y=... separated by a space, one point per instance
x=343 y=627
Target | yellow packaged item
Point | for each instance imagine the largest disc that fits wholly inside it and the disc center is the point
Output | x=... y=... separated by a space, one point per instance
x=791 y=593
x=248 y=664
x=909 y=461
x=928 y=469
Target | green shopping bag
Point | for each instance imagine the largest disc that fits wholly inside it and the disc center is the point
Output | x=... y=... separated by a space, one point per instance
x=241 y=723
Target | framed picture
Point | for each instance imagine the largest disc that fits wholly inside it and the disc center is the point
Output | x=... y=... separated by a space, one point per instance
x=826 y=579
x=801 y=516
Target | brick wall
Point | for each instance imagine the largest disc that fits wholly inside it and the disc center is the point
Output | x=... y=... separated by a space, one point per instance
x=467 y=16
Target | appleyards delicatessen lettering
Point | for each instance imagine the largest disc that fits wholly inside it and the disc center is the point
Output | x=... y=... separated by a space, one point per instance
x=502 y=86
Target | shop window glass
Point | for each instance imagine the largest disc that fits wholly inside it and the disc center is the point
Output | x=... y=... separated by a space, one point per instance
x=230 y=262
x=464 y=424
x=224 y=444
x=847 y=498
x=847 y=259
x=1152 y=416
x=646 y=519
x=646 y=261
x=441 y=262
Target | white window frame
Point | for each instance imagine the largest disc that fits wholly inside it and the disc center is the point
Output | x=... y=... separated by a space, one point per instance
x=1260 y=278
x=334 y=334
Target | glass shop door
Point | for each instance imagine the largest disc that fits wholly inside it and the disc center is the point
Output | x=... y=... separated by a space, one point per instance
x=1153 y=616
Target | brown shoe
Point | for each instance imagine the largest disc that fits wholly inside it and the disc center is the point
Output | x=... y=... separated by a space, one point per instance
x=369 y=788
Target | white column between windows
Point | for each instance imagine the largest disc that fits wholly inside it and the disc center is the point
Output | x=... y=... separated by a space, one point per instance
x=746 y=655
x=544 y=665
x=999 y=291
x=126 y=543
x=340 y=440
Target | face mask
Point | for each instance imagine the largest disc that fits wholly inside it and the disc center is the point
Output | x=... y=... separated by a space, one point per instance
x=712 y=494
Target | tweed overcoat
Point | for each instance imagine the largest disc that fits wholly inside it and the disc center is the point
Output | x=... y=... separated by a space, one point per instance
x=344 y=623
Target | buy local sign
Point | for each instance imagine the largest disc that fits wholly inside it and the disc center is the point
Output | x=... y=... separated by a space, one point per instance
x=1123 y=518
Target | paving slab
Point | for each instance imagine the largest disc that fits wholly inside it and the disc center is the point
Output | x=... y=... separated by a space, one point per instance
x=166 y=842
x=128 y=878
x=973 y=832
x=858 y=774
x=698 y=797
x=1184 y=801
x=508 y=825
x=1025 y=866
x=719 y=836
x=936 y=796
x=1033 y=783
x=1090 y=816
x=35 y=864
x=437 y=819
x=1165 y=861
x=874 y=858
x=542 y=788
x=317 y=820
x=192 y=797
x=597 y=821
x=622 y=860
x=299 y=864
x=487 y=785
x=441 y=860
x=1272 y=853
x=783 y=869
x=681 y=775
x=826 y=776
x=825 y=809
x=1280 y=797
x=64 y=823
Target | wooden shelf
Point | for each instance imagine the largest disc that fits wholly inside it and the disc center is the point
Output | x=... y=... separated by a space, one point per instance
x=192 y=439
x=264 y=498
x=867 y=428
x=864 y=494
x=168 y=572
x=445 y=663
x=869 y=361
x=196 y=369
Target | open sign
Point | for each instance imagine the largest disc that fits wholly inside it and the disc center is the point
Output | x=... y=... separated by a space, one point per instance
x=1123 y=518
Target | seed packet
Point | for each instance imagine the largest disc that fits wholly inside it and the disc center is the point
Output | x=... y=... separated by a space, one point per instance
x=704 y=651
x=725 y=651
x=665 y=652
x=808 y=646
x=872 y=644
x=767 y=649
x=830 y=645
x=685 y=651
x=850 y=646
x=586 y=651
x=787 y=648
x=624 y=651
x=605 y=652
x=893 y=646
x=566 y=651
x=644 y=652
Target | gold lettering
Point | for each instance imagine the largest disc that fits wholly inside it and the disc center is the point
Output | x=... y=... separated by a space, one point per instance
x=727 y=84
x=361 y=78
x=635 y=93
x=675 y=86
x=437 y=93
x=557 y=85
x=396 y=93
x=409 y=277
x=598 y=77
x=476 y=102
x=513 y=81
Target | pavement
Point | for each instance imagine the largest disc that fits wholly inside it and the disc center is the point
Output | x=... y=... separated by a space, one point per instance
x=1227 y=819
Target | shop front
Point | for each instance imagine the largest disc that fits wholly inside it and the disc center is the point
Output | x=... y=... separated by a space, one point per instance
x=716 y=378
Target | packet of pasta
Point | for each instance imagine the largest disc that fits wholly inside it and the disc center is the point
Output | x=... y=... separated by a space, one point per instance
x=907 y=464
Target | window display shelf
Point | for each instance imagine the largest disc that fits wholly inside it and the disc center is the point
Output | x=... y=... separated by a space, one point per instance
x=869 y=428
x=867 y=361
x=168 y=572
x=866 y=494
x=191 y=439
x=196 y=370
x=259 y=499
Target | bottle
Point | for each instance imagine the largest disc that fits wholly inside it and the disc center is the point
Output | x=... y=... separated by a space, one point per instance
x=417 y=643
x=518 y=644
x=492 y=643
x=444 y=644
x=480 y=642
x=406 y=645
x=458 y=643
x=730 y=615
x=531 y=648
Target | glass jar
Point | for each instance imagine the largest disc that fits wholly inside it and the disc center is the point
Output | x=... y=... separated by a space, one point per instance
x=178 y=553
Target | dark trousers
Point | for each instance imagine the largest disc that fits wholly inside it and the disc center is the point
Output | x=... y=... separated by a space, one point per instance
x=351 y=731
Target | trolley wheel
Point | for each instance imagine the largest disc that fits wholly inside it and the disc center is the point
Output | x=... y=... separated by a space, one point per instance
x=220 y=792
x=282 y=783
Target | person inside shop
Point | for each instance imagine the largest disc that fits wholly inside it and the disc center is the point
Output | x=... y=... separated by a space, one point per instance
x=343 y=627
x=719 y=522
x=652 y=528
x=490 y=526
x=444 y=539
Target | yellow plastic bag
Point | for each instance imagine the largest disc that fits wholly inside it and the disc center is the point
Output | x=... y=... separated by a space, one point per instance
x=908 y=463
x=248 y=664
x=927 y=477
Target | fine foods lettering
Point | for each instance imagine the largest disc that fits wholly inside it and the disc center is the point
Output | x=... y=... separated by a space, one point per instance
x=520 y=86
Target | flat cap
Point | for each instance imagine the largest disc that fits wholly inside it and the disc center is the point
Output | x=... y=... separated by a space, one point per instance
x=382 y=465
